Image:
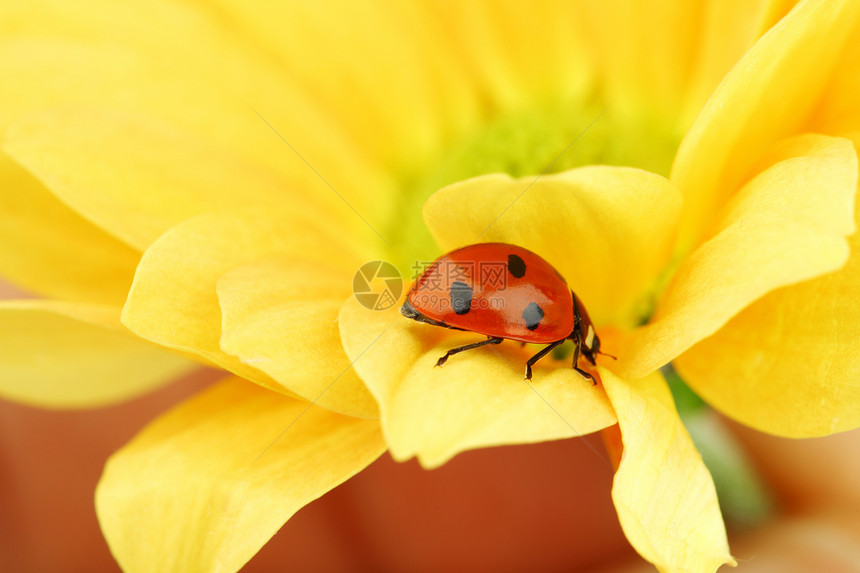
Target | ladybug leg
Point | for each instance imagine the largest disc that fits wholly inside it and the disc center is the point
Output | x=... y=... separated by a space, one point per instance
x=577 y=345
x=589 y=356
x=540 y=355
x=459 y=349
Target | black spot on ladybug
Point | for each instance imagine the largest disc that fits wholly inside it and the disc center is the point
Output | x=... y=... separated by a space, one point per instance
x=461 y=297
x=516 y=266
x=533 y=314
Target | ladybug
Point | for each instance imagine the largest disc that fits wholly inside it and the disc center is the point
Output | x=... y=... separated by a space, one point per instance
x=503 y=292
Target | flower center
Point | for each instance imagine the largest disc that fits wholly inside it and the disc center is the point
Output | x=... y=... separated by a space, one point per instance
x=547 y=139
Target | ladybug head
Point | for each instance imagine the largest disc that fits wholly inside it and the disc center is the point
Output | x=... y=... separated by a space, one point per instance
x=410 y=311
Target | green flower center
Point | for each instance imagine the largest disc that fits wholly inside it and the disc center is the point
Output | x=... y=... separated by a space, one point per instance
x=547 y=139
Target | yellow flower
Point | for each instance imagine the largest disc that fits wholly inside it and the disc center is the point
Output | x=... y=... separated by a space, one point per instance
x=146 y=180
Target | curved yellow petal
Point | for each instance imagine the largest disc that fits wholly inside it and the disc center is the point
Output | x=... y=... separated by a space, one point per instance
x=445 y=68
x=778 y=9
x=666 y=57
x=788 y=224
x=727 y=29
x=198 y=67
x=644 y=51
x=416 y=72
x=478 y=399
x=837 y=112
x=53 y=251
x=788 y=364
x=135 y=175
x=280 y=316
x=173 y=300
x=207 y=484
x=663 y=493
x=64 y=355
x=608 y=230
x=767 y=97
x=508 y=73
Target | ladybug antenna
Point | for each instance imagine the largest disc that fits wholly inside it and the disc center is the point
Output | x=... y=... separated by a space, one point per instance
x=607 y=354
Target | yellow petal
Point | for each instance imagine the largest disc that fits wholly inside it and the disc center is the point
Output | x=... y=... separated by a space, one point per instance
x=778 y=9
x=50 y=250
x=444 y=68
x=608 y=230
x=644 y=50
x=280 y=316
x=837 y=112
x=510 y=75
x=415 y=72
x=766 y=98
x=667 y=56
x=206 y=485
x=62 y=355
x=198 y=67
x=135 y=175
x=786 y=225
x=478 y=399
x=662 y=491
x=788 y=364
x=728 y=28
x=173 y=300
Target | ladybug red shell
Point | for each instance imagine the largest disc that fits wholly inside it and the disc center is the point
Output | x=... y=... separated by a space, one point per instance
x=503 y=292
